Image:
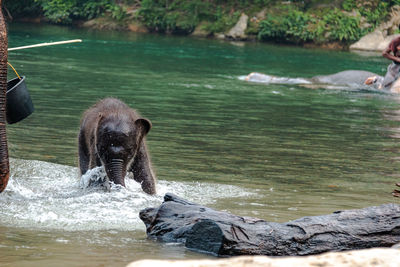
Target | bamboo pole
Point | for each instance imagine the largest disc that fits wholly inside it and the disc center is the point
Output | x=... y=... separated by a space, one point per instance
x=45 y=44
x=4 y=162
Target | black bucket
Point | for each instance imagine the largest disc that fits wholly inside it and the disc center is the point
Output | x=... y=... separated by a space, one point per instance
x=19 y=103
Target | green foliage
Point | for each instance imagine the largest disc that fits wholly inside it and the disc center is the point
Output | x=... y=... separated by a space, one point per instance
x=375 y=11
x=292 y=27
x=65 y=11
x=22 y=8
x=57 y=10
x=222 y=21
x=299 y=27
x=117 y=12
x=182 y=16
x=342 y=27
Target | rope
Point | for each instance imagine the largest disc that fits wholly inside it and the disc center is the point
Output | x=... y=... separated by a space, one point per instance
x=14 y=70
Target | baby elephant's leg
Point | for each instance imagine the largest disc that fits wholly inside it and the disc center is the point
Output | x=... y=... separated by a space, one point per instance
x=142 y=171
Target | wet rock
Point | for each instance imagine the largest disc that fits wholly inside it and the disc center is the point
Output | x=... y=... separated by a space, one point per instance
x=361 y=258
x=220 y=233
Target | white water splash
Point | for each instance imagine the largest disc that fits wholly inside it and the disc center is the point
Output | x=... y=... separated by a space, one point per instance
x=43 y=195
x=95 y=176
x=268 y=79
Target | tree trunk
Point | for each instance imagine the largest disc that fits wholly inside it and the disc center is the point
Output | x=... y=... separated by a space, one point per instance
x=4 y=163
x=223 y=234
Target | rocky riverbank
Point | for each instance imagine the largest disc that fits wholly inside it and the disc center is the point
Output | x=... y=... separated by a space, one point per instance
x=374 y=41
x=329 y=24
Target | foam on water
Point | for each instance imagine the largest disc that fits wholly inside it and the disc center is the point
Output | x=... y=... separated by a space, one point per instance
x=51 y=196
x=269 y=79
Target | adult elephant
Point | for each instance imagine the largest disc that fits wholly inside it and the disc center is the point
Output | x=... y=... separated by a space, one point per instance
x=347 y=78
x=4 y=163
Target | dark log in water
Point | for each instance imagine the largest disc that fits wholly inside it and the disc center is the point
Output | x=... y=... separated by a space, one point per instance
x=220 y=233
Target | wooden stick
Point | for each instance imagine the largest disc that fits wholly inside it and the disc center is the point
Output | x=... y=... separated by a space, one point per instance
x=44 y=44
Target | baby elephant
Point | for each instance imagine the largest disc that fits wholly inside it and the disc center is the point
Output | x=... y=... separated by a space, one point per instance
x=113 y=135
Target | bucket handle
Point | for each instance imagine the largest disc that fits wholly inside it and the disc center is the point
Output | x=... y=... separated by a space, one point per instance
x=14 y=70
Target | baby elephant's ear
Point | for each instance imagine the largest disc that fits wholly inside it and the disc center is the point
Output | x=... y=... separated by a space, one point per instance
x=144 y=124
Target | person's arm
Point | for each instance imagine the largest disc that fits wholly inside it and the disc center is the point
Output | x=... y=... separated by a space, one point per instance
x=386 y=53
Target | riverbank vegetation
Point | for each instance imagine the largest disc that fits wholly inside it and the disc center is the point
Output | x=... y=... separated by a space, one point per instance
x=295 y=21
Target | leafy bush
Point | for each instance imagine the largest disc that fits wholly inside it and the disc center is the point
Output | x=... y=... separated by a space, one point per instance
x=152 y=14
x=65 y=11
x=57 y=10
x=292 y=26
x=375 y=11
x=22 y=8
x=298 y=27
x=182 y=16
x=222 y=21
x=342 y=27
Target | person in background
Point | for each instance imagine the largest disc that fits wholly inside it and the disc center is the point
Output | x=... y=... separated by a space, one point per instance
x=392 y=52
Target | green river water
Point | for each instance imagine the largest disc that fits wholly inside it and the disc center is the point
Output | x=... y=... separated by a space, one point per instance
x=272 y=151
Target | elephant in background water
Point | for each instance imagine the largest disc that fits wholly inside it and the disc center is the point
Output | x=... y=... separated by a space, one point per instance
x=358 y=77
x=347 y=77
x=4 y=162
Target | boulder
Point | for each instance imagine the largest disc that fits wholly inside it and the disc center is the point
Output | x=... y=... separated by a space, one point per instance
x=379 y=39
x=375 y=41
x=238 y=31
x=358 y=258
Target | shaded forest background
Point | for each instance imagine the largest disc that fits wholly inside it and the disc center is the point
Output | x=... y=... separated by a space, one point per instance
x=293 y=21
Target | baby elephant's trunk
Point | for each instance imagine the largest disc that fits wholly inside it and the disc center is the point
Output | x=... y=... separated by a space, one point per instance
x=116 y=171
